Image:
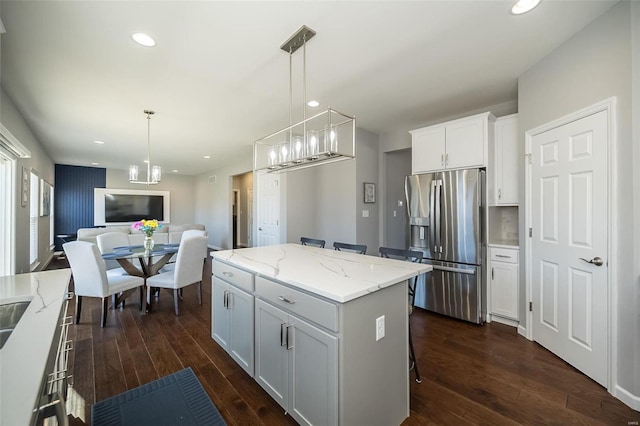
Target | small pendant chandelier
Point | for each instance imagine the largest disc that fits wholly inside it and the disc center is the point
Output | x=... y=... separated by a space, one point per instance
x=323 y=138
x=154 y=173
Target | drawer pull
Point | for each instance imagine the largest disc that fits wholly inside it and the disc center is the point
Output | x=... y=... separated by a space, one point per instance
x=284 y=299
x=283 y=341
x=289 y=341
x=503 y=256
x=227 y=274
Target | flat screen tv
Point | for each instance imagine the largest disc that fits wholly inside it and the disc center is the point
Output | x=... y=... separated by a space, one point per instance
x=124 y=206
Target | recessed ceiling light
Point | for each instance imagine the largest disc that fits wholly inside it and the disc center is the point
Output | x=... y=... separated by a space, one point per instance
x=207 y=156
x=98 y=142
x=143 y=39
x=524 y=6
x=174 y=171
x=95 y=164
x=146 y=161
x=313 y=103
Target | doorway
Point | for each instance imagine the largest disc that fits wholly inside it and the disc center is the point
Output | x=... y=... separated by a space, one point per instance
x=241 y=210
x=569 y=210
x=397 y=167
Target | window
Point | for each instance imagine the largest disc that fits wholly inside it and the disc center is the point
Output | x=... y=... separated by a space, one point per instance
x=34 y=209
x=6 y=207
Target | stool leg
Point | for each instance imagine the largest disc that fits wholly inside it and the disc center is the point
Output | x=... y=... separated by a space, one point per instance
x=412 y=356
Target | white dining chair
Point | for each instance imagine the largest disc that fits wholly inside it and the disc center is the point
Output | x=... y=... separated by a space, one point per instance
x=186 y=234
x=188 y=270
x=106 y=243
x=90 y=277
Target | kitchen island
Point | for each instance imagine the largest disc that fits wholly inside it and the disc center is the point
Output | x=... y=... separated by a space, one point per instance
x=324 y=332
x=25 y=356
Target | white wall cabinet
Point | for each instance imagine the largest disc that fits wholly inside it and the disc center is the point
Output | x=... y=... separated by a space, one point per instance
x=232 y=313
x=504 y=162
x=457 y=144
x=503 y=270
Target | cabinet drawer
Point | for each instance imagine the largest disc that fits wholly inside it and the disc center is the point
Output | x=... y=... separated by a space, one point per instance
x=503 y=255
x=233 y=275
x=304 y=305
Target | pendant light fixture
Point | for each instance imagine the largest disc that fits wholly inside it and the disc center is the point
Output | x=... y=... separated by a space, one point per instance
x=154 y=174
x=322 y=138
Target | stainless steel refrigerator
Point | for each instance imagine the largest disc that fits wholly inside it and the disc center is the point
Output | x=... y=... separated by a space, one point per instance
x=447 y=223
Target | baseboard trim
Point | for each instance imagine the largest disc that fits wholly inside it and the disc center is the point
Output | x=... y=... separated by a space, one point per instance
x=505 y=321
x=523 y=332
x=627 y=397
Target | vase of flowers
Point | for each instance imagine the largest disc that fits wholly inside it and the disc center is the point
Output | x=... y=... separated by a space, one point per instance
x=148 y=227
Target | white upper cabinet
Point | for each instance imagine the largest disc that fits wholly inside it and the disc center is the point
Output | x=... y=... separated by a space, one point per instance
x=504 y=162
x=457 y=144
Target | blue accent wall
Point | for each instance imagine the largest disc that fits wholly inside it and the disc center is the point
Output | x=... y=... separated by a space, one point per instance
x=73 y=197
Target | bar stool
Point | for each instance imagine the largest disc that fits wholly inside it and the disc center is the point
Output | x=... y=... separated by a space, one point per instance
x=312 y=242
x=413 y=256
x=357 y=248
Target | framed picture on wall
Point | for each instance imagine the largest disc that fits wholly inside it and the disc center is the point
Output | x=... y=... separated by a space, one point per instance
x=45 y=198
x=369 y=192
x=24 y=194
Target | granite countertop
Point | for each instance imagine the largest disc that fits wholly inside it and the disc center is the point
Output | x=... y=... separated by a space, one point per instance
x=335 y=275
x=24 y=356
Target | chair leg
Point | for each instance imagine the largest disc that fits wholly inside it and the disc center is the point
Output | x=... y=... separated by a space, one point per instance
x=412 y=357
x=105 y=309
x=78 y=308
x=175 y=301
x=141 y=291
x=200 y=292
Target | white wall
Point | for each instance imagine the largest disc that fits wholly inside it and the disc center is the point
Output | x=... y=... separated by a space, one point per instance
x=592 y=66
x=181 y=188
x=42 y=164
x=213 y=200
x=367 y=171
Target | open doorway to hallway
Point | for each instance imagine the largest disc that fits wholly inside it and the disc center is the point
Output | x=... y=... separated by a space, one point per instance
x=242 y=210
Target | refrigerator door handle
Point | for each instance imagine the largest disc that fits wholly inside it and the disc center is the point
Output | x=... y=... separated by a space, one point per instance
x=437 y=212
x=432 y=218
x=456 y=270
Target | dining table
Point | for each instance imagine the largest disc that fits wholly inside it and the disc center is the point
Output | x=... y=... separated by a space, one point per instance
x=150 y=261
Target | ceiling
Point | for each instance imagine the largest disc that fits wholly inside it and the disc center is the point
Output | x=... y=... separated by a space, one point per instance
x=218 y=80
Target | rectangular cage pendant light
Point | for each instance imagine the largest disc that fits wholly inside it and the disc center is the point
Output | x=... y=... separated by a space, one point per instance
x=326 y=137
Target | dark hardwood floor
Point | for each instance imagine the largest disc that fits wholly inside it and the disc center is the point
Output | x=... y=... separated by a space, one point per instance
x=471 y=374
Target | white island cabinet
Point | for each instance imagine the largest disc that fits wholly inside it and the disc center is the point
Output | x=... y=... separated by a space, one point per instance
x=316 y=342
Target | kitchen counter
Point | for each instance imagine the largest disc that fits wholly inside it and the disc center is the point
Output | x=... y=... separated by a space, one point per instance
x=336 y=275
x=508 y=244
x=342 y=315
x=23 y=357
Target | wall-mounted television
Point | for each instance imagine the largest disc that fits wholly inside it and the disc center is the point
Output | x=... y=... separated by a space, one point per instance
x=125 y=206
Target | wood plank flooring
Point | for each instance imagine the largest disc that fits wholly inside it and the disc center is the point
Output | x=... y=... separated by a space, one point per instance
x=472 y=375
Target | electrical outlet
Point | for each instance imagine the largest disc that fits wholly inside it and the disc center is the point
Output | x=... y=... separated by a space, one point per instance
x=379 y=328
x=365 y=213
x=394 y=213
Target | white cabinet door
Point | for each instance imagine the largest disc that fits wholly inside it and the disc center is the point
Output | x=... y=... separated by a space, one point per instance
x=427 y=149
x=465 y=143
x=272 y=367
x=504 y=289
x=313 y=363
x=241 y=328
x=505 y=163
x=219 y=313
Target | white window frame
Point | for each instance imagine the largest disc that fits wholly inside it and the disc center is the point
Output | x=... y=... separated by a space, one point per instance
x=34 y=218
x=10 y=150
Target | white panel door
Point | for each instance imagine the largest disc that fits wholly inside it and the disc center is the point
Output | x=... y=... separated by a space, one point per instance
x=427 y=149
x=570 y=222
x=241 y=328
x=219 y=313
x=504 y=289
x=268 y=219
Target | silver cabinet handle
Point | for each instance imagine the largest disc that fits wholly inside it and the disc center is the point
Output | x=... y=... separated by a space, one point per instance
x=227 y=274
x=225 y=299
x=446 y=159
x=284 y=299
x=283 y=342
x=499 y=194
x=289 y=341
x=595 y=261
x=504 y=256
x=442 y=160
x=491 y=273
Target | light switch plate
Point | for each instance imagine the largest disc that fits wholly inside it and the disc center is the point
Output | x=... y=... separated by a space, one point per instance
x=365 y=213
